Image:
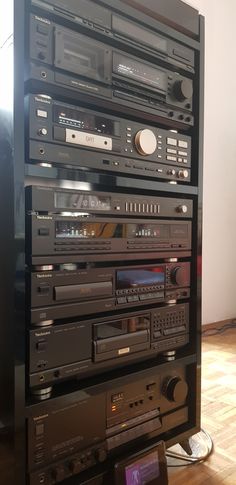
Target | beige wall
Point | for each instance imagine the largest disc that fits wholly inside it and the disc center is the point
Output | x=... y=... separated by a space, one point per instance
x=219 y=238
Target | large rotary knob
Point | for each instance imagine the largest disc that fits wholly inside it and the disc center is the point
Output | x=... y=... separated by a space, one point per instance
x=175 y=389
x=177 y=276
x=183 y=89
x=146 y=142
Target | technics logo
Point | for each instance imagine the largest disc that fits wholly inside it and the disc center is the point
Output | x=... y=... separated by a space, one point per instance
x=45 y=21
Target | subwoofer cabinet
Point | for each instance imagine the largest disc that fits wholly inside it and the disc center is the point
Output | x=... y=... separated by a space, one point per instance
x=101 y=163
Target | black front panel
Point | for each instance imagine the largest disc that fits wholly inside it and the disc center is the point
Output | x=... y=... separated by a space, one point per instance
x=120 y=413
x=78 y=9
x=125 y=31
x=65 y=351
x=153 y=43
x=117 y=288
x=133 y=70
x=46 y=199
x=58 y=236
x=81 y=55
x=70 y=126
x=130 y=78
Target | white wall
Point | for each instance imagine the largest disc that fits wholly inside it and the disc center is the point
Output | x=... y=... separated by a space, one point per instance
x=219 y=237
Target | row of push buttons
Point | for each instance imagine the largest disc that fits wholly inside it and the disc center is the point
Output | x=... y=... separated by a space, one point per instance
x=148 y=296
x=139 y=290
x=174 y=142
x=142 y=207
x=128 y=139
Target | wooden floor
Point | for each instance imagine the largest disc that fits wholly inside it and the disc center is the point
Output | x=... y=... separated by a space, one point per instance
x=218 y=414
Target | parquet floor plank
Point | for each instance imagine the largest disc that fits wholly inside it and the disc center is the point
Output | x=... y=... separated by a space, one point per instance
x=218 y=414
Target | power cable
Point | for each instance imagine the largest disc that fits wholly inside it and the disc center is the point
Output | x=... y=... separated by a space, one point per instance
x=192 y=460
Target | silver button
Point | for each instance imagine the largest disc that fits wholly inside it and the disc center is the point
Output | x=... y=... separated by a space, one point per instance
x=171 y=159
x=172 y=141
x=183 y=154
x=183 y=144
x=180 y=160
x=41 y=113
x=171 y=150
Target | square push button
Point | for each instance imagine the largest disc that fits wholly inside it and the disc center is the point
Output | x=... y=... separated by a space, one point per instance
x=41 y=113
x=171 y=141
x=43 y=231
x=42 y=29
x=183 y=144
x=39 y=429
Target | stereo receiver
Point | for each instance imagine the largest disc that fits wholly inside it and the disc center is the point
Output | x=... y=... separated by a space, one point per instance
x=70 y=291
x=70 y=434
x=88 y=347
x=89 y=66
x=48 y=200
x=73 y=131
x=92 y=18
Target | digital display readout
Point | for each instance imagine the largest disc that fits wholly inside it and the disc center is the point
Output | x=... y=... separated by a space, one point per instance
x=134 y=278
x=110 y=230
x=121 y=327
x=144 y=471
x=125 y=66
x=85 y=202
x=86 y=121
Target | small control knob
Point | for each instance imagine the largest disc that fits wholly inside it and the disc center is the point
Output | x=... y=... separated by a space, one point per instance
x=58 y=474
x=101 y=455
x=145 y=142
x=171 y=172
x=175 y=389
x=183 y=89
x=74 y=466
x=177 y=276
x=42 y=131
x=183 y=174
x=41 y=55
x=182 y=209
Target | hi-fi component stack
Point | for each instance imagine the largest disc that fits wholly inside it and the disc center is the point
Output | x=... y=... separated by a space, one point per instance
x=108 y=176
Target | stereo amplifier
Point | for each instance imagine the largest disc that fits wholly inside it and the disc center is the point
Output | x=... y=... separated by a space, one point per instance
x=131 y=409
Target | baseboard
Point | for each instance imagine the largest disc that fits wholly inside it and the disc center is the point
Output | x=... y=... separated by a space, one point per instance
x=217 y=325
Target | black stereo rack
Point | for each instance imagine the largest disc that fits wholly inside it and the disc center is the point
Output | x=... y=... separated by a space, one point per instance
x=85 y=66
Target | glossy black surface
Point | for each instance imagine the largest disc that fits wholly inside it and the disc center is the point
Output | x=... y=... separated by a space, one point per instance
x=14 y=175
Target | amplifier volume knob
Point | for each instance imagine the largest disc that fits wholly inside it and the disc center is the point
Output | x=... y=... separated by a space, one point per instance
x=183 y=174
x=175 y=389
x=146 y=142
x=43 y=131
x=101 y=455
x=182 y=209
x=177 y=276
x=183 y=89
